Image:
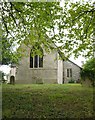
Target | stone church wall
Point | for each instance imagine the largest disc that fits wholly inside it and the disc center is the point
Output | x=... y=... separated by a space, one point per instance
x=47 y=74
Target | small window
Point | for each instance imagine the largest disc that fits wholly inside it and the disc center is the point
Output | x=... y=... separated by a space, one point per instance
x=69 y=72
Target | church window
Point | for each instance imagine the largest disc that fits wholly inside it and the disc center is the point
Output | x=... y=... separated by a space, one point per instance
x=36 y=61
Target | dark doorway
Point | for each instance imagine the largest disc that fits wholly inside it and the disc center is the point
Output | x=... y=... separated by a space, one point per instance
x=12 y=80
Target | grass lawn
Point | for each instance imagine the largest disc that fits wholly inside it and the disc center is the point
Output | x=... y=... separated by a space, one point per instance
x=47 y=101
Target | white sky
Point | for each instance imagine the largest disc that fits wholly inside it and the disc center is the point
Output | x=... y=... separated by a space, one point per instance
x=79 y=61
x=5 y=69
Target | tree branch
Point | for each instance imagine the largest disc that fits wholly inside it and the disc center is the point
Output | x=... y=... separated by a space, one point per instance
x=5 y=25
x=82 y=13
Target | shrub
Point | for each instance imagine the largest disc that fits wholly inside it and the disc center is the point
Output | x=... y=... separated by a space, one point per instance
x=88 y=71
x=71 y=81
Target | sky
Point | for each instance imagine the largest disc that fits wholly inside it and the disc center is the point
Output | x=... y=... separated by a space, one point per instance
x=79 y=61
x=5 y=69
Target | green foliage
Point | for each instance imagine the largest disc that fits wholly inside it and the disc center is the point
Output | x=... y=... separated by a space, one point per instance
x=2 y=74
x=88 y=70
x=71 y=81
x=79 y=21
x=34 y=23
x=27 y=23
x=8 y=55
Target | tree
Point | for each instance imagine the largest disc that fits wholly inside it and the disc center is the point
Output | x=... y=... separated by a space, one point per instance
x=7 y=54
x=28 y=23
x=46 y=23
x=79 y=20
x=2 y=79
x=88 y=71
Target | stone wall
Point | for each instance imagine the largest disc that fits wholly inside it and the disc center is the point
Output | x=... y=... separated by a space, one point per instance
x=47 y=74
x=75 y=71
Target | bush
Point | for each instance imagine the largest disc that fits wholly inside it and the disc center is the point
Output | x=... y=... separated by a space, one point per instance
x=78 y=81
x=71 y=81
x=88 y=71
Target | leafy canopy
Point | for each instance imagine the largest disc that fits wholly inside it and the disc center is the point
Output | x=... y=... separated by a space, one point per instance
x=88 y=70
x=45 y=24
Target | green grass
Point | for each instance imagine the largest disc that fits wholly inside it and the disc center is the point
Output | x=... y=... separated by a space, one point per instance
x=47 y=101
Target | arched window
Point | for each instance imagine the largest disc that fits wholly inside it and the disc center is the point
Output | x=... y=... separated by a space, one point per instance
x=36 y=61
